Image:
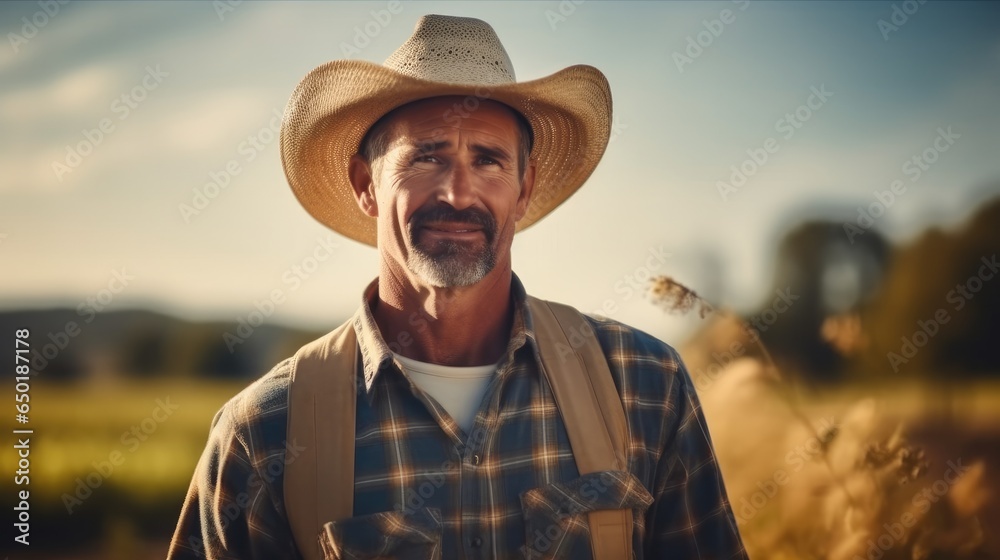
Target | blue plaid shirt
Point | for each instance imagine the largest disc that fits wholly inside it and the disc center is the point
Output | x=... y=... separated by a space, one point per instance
x=424 y=489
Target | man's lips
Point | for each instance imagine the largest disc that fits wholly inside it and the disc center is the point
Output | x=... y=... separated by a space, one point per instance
x=453 y=227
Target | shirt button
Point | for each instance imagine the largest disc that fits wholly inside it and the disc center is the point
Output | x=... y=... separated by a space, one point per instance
x=475 y=459
x=477 y=542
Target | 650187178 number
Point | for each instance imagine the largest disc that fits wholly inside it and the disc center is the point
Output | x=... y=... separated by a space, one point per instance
x=21 y=348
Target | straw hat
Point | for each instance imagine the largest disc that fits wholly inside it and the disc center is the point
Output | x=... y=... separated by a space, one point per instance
x=334 y=106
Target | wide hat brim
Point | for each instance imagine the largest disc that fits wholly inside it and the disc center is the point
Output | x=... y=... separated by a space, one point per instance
x=333 y=107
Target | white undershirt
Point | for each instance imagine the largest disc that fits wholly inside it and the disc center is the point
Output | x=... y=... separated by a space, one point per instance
x=459 y=390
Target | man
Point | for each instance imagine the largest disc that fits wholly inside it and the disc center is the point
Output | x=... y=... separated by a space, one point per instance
x=471 y=440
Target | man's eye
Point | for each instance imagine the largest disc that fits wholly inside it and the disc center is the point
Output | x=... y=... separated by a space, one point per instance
x=483 y=160
x=426 y=159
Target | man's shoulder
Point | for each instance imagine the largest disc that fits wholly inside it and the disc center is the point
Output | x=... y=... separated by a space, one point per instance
x=267 y=398
x=626 y=343
x=616 y=337
x=648 y=373
x=642 y=364
x=260 y=405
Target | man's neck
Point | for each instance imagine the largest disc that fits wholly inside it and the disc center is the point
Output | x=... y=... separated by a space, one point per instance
x=467 y=326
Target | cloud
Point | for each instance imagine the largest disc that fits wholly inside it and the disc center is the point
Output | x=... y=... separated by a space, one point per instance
x=28 y=171
x=76 y=95
x=65 y=32
x=211 y=120
x=208 y=126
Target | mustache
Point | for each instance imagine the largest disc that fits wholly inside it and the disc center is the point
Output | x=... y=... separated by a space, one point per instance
x=444 y=213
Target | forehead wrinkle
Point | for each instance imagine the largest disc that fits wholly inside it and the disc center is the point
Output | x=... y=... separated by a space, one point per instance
x=481 y=142
x=485 y=128
x=414 y=128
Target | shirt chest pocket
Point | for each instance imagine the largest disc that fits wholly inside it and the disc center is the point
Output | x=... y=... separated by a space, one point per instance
x=558 y=521
x=392 y=535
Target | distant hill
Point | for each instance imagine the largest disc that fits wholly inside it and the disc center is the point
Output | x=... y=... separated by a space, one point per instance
x=138 y=343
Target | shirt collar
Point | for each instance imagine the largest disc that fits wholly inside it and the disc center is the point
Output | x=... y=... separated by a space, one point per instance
x=376 y=354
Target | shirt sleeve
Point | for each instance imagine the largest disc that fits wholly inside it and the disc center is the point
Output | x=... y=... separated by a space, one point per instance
x=231 y=510
x=690 y=516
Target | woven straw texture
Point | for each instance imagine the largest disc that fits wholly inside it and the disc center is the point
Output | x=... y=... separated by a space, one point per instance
x=334 y=105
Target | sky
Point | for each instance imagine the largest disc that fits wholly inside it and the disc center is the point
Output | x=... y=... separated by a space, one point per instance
x=838 y=97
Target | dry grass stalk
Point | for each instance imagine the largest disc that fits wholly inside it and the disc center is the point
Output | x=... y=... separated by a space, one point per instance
x=857 y=497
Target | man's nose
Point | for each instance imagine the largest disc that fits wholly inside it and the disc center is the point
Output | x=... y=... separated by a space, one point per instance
x=457 y=189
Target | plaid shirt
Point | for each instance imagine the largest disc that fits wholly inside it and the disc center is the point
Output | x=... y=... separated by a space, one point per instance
x=425 y=490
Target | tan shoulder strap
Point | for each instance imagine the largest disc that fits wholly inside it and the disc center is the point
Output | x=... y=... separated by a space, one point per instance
x=591 y=409
x=319 y=483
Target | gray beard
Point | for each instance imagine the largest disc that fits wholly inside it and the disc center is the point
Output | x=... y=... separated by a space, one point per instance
x=453 y=265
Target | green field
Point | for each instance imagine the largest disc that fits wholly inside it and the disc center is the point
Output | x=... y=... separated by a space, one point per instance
x=78 y=425
x=109 y=464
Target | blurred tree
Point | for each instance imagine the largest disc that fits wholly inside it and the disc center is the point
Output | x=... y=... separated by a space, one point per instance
x=938 y=313
x=820 y=273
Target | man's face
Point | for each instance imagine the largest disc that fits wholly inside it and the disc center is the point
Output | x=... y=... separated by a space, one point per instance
x=447 y=193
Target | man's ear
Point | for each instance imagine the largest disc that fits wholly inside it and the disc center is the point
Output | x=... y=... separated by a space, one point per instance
x=527 y=188
x=360 y=173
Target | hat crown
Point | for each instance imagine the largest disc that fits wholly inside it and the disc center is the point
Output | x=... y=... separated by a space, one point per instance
x=456 y=50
